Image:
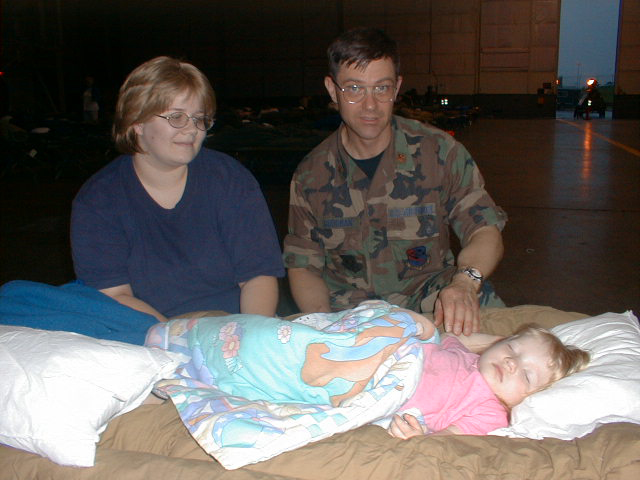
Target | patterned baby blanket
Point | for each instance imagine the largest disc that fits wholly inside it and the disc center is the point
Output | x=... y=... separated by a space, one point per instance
x=254 y=387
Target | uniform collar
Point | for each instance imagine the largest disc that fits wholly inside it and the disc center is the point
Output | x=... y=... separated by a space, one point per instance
x=397 y=154
x=402 y=157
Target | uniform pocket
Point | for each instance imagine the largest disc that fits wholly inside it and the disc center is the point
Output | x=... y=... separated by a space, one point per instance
x=413 y=237
x=343 y=243
x=412 y=222
x=340 y=233
x=415 y=257
x=350 y=263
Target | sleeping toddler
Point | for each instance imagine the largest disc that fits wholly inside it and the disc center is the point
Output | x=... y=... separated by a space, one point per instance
x=470 y=383
x=459 y=391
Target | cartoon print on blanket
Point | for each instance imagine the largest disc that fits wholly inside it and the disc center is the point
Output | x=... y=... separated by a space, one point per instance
x=257 y=386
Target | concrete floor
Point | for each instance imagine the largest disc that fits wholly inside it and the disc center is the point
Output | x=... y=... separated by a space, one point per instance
x=571 y=189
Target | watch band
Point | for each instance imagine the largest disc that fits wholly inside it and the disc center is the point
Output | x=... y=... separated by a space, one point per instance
x=472 y=273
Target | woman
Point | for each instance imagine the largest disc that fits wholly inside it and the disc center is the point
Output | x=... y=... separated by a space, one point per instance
x=170 y=227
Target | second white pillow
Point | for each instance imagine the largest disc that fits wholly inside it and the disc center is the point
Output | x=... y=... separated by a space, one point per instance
x=59 y=390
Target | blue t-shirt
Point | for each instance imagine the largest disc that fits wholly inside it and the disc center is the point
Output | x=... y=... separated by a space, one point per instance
x=178 y=260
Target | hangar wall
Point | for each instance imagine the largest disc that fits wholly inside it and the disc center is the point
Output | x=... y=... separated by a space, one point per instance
x=626 y=100
x=500 y=55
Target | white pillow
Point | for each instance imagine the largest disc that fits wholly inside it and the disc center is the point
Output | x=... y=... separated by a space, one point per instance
x=607 y=391
x=60 y=389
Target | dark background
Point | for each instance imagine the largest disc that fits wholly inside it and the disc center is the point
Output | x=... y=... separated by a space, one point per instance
x=248 y=49
x=572 y=196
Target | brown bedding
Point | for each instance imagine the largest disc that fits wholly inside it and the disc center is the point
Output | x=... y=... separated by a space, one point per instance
x=151 y=442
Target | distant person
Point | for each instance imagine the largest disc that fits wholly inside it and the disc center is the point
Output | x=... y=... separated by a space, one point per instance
x=91 y=101
x=171 y=227
x=372 y=205
x=4 y=96
x=590 y=101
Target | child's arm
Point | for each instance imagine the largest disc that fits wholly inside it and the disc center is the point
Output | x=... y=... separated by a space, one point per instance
x=426 y=328
x=407 y=426
x=476 y=342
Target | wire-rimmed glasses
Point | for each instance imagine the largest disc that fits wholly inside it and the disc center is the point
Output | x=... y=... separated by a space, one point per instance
x=180 y=120
x=355 y=93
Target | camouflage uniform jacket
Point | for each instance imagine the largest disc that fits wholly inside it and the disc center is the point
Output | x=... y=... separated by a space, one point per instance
x=386 y=237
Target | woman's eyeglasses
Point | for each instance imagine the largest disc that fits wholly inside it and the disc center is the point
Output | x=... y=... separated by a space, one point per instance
x=180 y=120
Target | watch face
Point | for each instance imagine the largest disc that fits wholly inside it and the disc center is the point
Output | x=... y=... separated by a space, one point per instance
x=473 y=273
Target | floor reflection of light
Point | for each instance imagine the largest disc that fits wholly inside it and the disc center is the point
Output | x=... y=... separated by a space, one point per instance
x=575 y=177
x=586 y=156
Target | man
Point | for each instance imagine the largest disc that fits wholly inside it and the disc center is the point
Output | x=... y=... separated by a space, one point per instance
x=371 y=206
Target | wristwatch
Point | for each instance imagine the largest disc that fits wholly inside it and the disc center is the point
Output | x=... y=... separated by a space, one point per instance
x=472 y=273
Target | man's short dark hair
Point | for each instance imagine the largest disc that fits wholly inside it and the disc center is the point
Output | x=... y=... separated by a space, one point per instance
x=360 y=46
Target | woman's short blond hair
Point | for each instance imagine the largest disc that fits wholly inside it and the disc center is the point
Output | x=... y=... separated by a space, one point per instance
x=149 y=90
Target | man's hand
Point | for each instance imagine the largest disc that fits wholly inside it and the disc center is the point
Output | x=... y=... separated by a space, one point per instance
x=406 y=426
x=458 y=307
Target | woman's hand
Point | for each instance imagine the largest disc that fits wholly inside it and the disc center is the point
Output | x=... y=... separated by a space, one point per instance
x=406 y=426
x=124 y=294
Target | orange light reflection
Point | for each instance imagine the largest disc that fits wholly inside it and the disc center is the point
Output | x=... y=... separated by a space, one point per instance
x=586 y=156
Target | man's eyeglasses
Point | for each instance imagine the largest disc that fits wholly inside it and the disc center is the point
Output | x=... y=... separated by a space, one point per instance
x=355 y=93
x=180 y=120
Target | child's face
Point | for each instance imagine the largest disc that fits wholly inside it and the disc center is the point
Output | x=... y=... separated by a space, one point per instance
x=516 y=367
